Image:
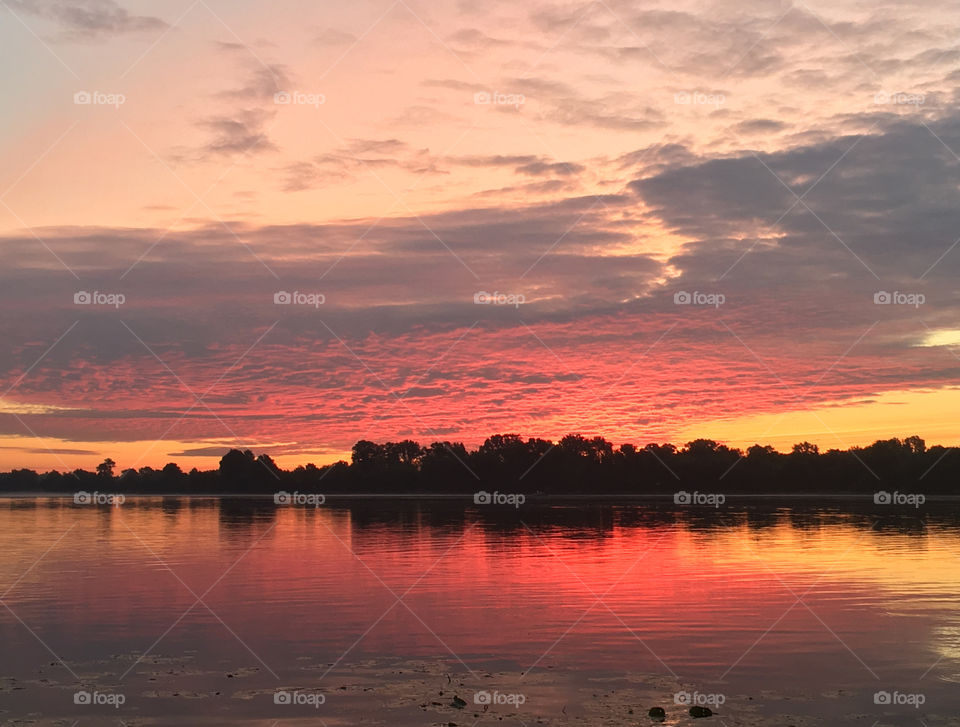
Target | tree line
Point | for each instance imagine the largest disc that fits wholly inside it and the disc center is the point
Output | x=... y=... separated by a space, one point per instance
x=574 y=465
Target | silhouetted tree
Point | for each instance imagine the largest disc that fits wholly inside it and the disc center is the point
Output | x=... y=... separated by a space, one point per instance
x=574 y=464
x=105 y=468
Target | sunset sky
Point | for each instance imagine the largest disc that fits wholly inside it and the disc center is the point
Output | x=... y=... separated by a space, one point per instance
x=702 y=219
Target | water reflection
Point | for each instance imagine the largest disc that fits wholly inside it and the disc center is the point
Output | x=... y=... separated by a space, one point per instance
x=752 y=597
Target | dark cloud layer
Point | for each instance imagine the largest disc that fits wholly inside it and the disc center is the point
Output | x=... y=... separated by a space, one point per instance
x=798 y=324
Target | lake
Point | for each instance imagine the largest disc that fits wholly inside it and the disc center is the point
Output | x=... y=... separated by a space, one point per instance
x=204 y=611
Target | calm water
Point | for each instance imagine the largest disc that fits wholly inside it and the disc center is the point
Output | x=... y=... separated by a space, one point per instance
x=198 y=611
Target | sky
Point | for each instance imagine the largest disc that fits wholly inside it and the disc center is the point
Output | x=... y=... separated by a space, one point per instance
x=290 y=226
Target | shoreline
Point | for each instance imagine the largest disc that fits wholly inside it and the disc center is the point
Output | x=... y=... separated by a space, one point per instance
x=408 y=690
x=605 y=498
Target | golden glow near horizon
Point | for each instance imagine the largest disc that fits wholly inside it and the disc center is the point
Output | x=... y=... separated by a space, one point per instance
x=840 y=425
x=837 y=425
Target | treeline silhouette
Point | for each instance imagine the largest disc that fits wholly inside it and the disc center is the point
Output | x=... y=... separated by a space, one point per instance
x=575 y=465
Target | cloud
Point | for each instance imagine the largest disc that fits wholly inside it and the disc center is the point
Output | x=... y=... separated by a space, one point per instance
x=43 y=450
x=760 y=126
x=300 y=176
x=530 y=190
x=474 y=42
x=89 y=20
x=262 y=84
x=450 y=83
x=560 y=102
x=333 y=37
x=357 y=157
x=243 y=130
x=525 y=164
x=885 y=197
x=244 y=133
x=541 y=168
x=564 y=105
x=217 y=450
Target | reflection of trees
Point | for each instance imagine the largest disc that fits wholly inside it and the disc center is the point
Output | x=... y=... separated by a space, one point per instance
x=243 y=513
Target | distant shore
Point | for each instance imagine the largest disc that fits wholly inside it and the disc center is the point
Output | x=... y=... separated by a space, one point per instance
x=662 y=501
x=509 y=471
